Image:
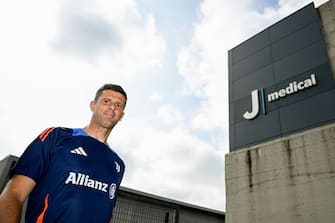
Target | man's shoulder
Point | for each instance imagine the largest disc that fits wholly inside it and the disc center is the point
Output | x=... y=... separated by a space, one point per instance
x=55 y=131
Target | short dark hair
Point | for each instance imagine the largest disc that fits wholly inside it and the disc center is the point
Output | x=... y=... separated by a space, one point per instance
x=113 y=87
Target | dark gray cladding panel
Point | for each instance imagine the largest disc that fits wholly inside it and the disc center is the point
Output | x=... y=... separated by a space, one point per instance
x=250 y=47
x=231 y=112
x=300 y=62
x=252 y=63
x=230 y=77
x=309 y=112
x=249 y=132
x=232 y=136
x=262 y=77
x=297 y=41
x=294 y=22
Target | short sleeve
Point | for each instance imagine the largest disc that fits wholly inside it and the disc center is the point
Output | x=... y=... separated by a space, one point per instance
x=35 y=160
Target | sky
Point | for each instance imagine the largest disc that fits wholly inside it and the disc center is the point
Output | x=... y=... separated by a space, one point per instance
x=169 y=55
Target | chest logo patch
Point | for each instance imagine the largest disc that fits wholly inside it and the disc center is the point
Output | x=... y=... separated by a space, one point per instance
x=112 y=190
x=117 y=167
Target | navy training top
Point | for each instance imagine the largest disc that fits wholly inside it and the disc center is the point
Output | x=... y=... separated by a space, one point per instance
x=77 y=177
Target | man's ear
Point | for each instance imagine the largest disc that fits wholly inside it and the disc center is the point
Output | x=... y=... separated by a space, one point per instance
x=92 y=105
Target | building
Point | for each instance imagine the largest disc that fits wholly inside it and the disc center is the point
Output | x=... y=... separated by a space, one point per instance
x=281 y=165
x=134 y=206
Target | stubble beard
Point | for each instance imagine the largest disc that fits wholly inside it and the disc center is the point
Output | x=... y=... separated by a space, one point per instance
x=108 y=124
x=105 y=123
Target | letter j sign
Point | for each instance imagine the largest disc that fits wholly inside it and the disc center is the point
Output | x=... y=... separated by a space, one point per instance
x=255 y=105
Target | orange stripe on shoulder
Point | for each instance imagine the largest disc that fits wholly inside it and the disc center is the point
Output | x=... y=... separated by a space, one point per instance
x=46 y=205
x=45 y=134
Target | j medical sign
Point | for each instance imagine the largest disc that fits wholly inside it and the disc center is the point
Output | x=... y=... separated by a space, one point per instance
x=292 y=88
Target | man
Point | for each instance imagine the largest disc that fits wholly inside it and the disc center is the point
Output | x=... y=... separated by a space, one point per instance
x=70 y=175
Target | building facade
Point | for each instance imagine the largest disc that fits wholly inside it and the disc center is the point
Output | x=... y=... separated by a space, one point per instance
x=279 y=79
x=281 y=165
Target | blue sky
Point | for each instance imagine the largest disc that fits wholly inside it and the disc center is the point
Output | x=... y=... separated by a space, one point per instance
x=169 y=55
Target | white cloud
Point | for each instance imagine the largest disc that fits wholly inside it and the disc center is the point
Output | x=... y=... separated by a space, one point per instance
x=110 y=35
x=44 y=88
x=173 y=164
x=155 y=96
x=170 y=116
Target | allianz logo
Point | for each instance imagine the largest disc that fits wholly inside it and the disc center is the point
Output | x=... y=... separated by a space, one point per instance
x=81 y=179
x=292 y=88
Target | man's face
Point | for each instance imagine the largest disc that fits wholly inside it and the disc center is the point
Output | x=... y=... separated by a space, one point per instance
x=108 y=109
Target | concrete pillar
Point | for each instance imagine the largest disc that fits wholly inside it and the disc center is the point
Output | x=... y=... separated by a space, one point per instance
x=327 y=15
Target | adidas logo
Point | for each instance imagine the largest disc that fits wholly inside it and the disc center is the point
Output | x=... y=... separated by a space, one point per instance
x=79 y=151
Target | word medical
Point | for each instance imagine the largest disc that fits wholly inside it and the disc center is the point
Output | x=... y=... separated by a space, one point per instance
x=292 y=88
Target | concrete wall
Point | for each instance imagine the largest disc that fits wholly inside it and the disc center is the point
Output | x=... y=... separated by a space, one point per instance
x=327 y=15
x=287 y=180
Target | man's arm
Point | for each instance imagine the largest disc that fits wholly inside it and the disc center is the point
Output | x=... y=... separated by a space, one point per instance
x=12 y=198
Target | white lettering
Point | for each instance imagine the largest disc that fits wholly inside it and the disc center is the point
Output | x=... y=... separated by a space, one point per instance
x=91 y=183
x=289 y=89
x=104 y=187
x=301 y=85
x=292 y=88
x=98 y=186
x=71 y=178
x=282 y=93
x=273 y=96
x=254 y=106
x=313 y=79
x=81 y=179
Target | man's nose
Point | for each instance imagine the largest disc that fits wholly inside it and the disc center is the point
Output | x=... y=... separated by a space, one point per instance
x=113 y=106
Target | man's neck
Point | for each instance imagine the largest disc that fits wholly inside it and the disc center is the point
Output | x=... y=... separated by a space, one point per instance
x=99 y=133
